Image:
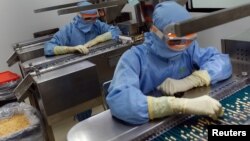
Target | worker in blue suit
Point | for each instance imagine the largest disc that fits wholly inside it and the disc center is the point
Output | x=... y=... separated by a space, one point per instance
x=148 y=75
x=78 y=36
x=82 y=33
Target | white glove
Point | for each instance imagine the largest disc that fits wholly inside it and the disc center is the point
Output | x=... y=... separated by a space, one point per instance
x=101 y=38
x=60 y=50
x=83 y=49
x=165 y=106
x=171 y=86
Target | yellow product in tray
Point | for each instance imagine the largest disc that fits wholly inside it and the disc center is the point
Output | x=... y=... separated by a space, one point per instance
x=13 y=124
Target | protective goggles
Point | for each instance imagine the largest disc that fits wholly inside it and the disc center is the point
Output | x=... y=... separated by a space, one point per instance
x=89 y=17
x=94 y=16
x=174 y=43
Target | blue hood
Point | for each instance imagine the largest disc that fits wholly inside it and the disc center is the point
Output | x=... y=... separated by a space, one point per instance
x=81 y=24
x=169 y=12
x=158 y=47
x=164 y=14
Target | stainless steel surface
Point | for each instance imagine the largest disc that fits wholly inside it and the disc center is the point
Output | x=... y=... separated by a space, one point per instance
x=12 y=59
x=33 y=41
x=65 y=85
x=204 y=22
x=104 y=55
x=55 y=7
x=238 y=48
x=59 y=6
x=48 y=62
x=112 y=13
x=26 y=53
x=45 y=77
x=21 y=91
x=94 y=6
x=27 y=50
x=129 y=27
x=105 y=127
x=63 y=88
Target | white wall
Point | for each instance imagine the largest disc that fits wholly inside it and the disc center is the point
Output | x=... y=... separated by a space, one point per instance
x=213 y=36
x=19 y=22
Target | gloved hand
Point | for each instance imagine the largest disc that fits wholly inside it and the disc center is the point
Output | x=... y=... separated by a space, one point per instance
x=171 y=86
x=83 y=49
x=164 y=106
x=60 y=50
x=101 y=38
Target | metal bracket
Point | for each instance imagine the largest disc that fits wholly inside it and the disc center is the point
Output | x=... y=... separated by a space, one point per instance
x=94 y=6
x=12 y=59
x=21 y=91
x=214 y=19
x=33 y=41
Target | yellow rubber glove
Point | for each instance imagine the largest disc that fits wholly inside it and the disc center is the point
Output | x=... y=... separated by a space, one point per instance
x=171 y=86
x=60 y=50
x=83 y=49
x=164 y=106
x=101 y=38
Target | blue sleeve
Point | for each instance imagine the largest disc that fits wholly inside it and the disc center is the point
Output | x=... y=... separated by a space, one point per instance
x=61 y=38
x=103 y=28
x=125 y=99
x=217 y=64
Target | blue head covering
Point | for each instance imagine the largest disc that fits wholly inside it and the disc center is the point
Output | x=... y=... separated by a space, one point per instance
x=164 y=14
x=169 y=12
x=79 y=21
x=85 y=3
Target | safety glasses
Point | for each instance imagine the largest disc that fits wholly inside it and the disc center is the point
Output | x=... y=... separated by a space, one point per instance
x=175 y=43
x=180 y=43
x=94 y=16
x=89 y=17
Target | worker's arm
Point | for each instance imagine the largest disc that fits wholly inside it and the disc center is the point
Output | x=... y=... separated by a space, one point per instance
x=159 y=107
x=103 y=28
x=210 y=65
x=125 y=99
x=61 y=38
x=106 y=32
x=99 y=39
x=58 y=44
x=217 y=65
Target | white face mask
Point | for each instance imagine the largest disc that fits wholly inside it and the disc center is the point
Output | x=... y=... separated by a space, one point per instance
x=173 y=42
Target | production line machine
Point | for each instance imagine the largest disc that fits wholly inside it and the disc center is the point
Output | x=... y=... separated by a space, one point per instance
x=62 y=86
x=65 y=85
x=24 y=51
x=234 y=95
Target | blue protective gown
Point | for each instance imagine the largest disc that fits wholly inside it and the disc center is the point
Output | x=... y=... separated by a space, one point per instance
x=140 y=70
x=144 y=67
x=79 y=32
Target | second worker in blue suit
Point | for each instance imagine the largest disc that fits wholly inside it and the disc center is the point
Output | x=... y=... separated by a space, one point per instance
x=82 y=33
x=168 y=64
x=78 y=36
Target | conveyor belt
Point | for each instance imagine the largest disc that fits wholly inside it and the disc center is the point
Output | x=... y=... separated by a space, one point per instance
x=233 y=94
x=236 y=112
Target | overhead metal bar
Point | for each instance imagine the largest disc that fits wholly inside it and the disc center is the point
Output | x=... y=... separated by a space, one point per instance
x=94 y=6
x=197 y=24
x=55 y=7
